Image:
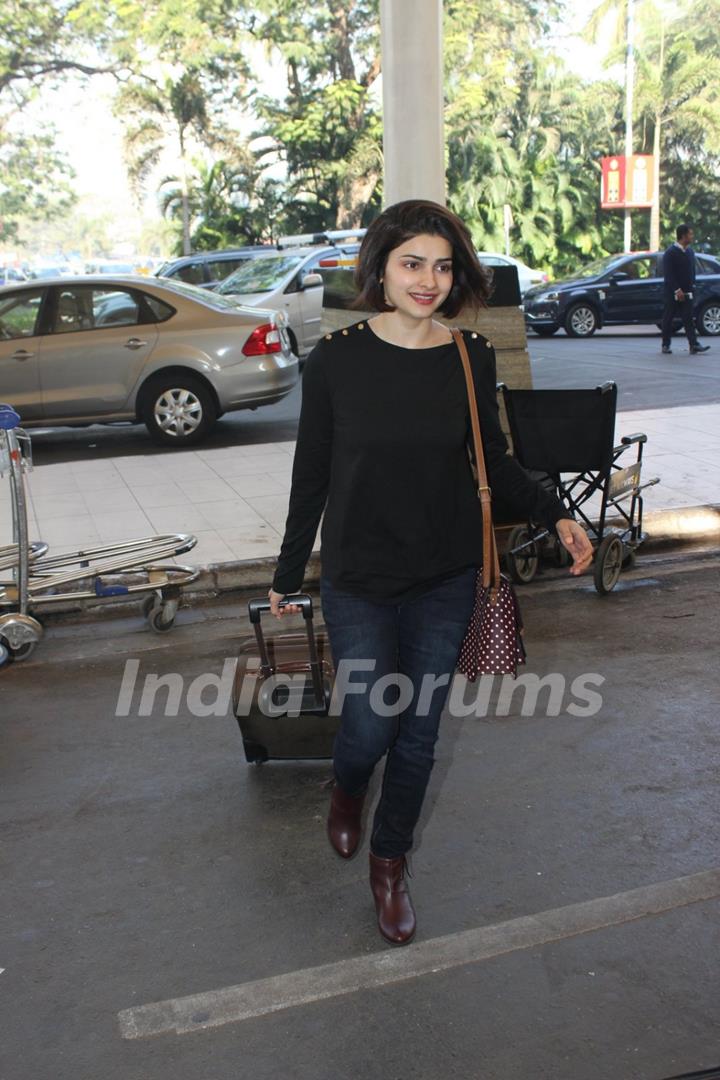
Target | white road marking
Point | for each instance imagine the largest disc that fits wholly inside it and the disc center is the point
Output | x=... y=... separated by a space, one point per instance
x=213 y=1008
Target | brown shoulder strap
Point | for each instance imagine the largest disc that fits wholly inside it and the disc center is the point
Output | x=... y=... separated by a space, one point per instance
x=490 y=562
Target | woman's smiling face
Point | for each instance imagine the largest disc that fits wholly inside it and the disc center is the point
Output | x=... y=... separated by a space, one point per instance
x=418 y=275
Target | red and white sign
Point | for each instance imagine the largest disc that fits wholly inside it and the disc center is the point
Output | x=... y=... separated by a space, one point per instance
x=627 y=182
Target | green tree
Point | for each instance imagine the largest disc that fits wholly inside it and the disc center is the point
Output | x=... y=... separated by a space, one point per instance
x=229 y=202
x=187 y=67
x=38 y=41
x=36 y=181
x=325 y=130
x=678 y=108
x=522 y=132
x=676 y=114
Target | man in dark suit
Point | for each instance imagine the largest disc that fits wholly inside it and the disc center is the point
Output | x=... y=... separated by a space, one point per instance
x=679 y=274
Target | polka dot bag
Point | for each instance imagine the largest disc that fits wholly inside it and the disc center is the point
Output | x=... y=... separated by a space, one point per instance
x=493 y=642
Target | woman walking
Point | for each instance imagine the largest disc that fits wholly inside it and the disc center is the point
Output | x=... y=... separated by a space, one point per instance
x=382 y=448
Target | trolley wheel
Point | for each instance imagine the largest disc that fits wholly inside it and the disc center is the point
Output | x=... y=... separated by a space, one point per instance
x=4 y=653
x=608 y=564
x=150 y=602
x=523 y=566
x=161 y=621
x=24 y=651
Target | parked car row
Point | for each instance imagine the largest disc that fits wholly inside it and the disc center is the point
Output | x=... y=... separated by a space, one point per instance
x=618 y=290
x=175 y=356
x=209 y=268
x=46 y=269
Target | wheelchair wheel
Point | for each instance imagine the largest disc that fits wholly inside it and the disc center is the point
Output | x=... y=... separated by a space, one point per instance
x=522 y=567
x=608 y=564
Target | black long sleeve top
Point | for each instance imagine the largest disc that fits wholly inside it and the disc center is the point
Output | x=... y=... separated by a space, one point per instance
x=382 y=449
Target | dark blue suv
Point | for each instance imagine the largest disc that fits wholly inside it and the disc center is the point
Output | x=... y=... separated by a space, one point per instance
x=616 y=290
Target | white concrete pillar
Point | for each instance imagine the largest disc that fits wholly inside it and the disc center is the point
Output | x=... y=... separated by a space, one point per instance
x=412 y=77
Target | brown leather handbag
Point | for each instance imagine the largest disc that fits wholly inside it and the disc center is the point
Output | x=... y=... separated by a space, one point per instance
x=493 y=642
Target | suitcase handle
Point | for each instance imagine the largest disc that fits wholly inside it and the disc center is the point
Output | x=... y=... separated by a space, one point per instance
x=255 y=610
x=256 y=607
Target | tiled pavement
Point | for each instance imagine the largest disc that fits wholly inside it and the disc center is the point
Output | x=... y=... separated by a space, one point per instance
x=235 y=499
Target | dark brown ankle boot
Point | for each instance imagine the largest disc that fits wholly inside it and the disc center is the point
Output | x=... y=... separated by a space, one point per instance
x=343 y=824
x=395 y=912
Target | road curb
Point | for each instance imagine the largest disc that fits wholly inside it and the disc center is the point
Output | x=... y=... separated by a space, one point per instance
x=685 y=527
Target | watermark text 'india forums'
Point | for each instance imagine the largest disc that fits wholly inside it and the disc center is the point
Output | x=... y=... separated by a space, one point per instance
x=245 y=690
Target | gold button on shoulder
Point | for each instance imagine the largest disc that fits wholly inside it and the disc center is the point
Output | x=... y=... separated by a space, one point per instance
x=361 y=326
x=489 y=344
x=473 y=334
x=346 y=332
x=328 y=337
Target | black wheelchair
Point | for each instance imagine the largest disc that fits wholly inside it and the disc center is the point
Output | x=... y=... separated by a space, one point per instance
x=566 y=441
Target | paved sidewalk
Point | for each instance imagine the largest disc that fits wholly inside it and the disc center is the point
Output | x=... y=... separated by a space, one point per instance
x=234 y=499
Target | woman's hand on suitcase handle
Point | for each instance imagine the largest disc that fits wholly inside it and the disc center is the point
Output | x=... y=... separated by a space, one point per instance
x=574 y=538
x=275 y=609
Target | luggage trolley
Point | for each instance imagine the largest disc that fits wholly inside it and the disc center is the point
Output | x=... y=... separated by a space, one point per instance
x=561 y=432
x=37 y=581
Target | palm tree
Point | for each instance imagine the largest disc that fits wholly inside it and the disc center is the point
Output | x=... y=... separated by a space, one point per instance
x=677 y=75
x=677 y=94
x=228 y=203
x=161 y=111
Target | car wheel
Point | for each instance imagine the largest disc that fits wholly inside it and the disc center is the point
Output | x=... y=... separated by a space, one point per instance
x=581 y=320
x=709 y=320
x=177 y=409
x=545 y=331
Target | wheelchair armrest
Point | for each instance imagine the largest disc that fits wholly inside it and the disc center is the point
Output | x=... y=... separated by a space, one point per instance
x=638 y=437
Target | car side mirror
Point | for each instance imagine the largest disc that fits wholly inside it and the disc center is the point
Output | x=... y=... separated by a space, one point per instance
x=620 y=276
x=311 y=281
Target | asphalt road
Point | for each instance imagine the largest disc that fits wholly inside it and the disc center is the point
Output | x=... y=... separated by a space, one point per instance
x=631 y=357
x=566 y=872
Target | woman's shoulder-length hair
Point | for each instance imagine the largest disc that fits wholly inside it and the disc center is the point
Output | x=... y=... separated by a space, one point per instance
x=472 y=282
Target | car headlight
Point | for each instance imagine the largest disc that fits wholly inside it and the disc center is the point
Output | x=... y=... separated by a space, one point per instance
x=549 y=296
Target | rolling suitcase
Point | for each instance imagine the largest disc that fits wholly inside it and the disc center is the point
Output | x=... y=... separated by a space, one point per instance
x=282 y=707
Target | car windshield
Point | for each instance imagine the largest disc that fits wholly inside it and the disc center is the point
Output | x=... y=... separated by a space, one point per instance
x=262 y=274
x=599 y=267
x=203 y=296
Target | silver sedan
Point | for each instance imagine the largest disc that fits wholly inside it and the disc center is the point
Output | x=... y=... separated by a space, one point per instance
x=172 y=356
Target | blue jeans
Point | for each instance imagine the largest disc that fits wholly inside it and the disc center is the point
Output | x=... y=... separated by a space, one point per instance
x=400 y=716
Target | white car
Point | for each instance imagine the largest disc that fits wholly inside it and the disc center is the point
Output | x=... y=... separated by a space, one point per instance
x=101 y=349
x=527 y=278
x=291 y=281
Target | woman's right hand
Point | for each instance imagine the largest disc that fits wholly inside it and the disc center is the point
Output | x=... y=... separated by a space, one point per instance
x=276 y=610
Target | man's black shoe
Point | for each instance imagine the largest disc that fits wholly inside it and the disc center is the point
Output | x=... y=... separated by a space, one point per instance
x=700 y=348
x=667 y=350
